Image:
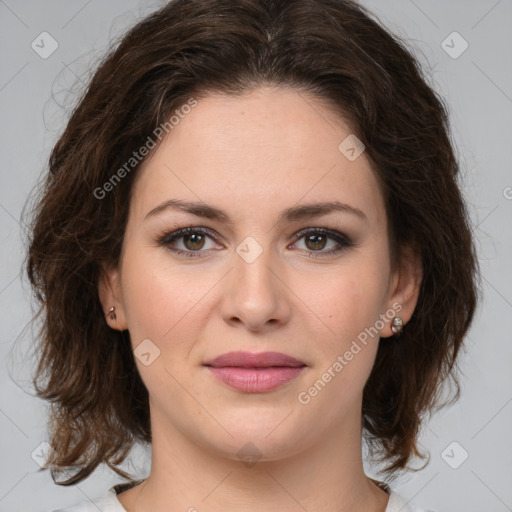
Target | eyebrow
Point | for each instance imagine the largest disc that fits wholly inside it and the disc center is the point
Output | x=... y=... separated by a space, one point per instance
x=295 y=213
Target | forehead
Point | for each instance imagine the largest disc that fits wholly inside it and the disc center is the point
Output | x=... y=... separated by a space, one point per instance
x=258 y=153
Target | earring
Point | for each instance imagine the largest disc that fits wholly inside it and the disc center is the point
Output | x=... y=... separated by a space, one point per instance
x=112 y=313
x=397 y=325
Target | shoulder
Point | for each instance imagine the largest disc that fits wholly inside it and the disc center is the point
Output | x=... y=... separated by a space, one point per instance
x=397 y=503
x=107 y=503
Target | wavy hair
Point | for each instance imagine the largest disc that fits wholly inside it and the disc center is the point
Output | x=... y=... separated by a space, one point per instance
x=334 y=49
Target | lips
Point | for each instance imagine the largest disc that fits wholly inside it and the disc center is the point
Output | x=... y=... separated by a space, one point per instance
x=252 y=360
x=255 y=373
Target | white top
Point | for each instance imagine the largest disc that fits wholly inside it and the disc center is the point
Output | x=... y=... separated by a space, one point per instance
x=110 y=503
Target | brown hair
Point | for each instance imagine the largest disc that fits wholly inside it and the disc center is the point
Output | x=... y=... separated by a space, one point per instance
x=334 y=49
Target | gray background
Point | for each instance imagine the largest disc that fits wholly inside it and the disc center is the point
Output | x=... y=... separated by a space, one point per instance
x=36 y=95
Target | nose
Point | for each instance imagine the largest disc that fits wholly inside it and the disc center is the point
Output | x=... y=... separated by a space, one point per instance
x=256 y=295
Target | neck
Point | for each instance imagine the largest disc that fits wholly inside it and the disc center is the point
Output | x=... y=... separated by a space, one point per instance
x=184 y=476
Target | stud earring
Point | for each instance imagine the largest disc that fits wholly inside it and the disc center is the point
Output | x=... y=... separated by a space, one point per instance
x=397 y=325
x=112 y=313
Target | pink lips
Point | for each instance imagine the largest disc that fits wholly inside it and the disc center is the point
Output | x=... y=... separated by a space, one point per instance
x=255 y=373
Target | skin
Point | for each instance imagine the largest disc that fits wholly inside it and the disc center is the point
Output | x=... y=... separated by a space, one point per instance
x=253 y=156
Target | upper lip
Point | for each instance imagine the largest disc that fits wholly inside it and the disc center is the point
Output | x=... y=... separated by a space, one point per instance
x=254 y=360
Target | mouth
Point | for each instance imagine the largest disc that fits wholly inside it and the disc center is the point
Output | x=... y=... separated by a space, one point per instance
x=254 y=360
x=255 y=373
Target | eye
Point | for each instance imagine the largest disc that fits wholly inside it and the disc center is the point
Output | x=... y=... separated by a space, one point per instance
x=316 y=239
x=194 y=241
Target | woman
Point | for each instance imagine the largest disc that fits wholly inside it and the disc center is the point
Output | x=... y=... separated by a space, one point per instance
x=253 y=254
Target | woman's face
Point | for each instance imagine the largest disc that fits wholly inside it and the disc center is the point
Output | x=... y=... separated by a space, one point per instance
x=259 y=273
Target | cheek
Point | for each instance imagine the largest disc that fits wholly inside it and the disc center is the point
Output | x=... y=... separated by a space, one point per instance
x=147 y=296
x=349 y=304
x=161 y=303
x=345 y=353
x=347 y=301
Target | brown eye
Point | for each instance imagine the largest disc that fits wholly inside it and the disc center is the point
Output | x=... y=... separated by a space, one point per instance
x=316 y=242
x=194 y=241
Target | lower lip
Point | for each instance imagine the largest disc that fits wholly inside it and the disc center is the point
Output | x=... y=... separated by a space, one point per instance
x=255 y=380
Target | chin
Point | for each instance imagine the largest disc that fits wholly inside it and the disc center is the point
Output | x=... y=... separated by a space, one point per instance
x=258 y=443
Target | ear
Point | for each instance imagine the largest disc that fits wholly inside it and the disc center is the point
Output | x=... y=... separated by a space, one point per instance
x=110 y=294
x=404 y=288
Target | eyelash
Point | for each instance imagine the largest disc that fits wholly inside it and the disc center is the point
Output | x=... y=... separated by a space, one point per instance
x=343 y=240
